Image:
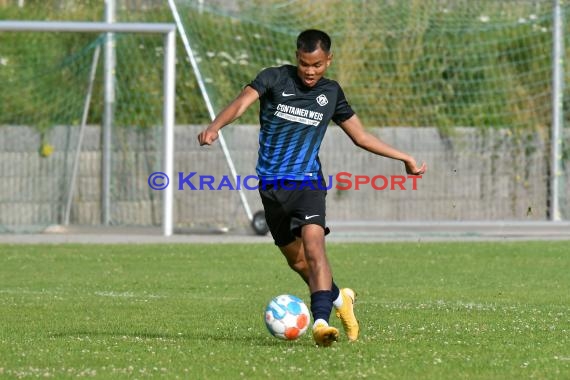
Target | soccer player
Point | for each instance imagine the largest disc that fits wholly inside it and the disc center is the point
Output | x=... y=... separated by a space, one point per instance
x=297 y=104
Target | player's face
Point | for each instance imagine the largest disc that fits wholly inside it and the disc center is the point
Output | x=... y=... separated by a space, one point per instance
x=312 y=66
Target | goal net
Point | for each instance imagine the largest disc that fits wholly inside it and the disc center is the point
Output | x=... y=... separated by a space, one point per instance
x=51 y=112
x=465 y=85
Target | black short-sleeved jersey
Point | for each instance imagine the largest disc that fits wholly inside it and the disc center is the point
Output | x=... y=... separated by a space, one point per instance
x=294 y=119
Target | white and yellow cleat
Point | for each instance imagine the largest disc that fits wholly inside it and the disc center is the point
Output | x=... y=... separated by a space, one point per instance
x=324 y=335
x=346 y=314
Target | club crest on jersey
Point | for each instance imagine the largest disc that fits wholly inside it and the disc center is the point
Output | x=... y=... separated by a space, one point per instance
x=322 y=100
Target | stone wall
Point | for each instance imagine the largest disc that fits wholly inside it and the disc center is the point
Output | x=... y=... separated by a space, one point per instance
x=471 y=176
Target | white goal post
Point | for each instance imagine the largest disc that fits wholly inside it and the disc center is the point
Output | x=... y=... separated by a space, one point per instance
x=169 y=32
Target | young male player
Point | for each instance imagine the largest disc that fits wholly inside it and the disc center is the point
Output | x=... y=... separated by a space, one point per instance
x=297 y=104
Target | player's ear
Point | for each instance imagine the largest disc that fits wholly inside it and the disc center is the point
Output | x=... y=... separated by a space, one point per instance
x=329 y=59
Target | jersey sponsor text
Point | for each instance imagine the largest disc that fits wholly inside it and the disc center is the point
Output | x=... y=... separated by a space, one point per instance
x=299 y=115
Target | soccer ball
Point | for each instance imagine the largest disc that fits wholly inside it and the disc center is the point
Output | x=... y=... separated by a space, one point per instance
x=287 y=317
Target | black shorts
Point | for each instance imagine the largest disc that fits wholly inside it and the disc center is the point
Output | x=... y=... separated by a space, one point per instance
x=289 y=205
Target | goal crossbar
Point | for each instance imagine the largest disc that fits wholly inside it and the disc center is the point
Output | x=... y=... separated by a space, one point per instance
x=95 y=27
x=169 y=32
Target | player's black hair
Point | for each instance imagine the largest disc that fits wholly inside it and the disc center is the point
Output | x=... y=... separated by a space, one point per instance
x=311 y=39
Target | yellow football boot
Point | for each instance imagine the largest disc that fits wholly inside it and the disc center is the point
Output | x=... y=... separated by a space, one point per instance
x=346 y=314
x=324 y=335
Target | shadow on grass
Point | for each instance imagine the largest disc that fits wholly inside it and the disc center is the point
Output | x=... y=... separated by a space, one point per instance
x=252 y=339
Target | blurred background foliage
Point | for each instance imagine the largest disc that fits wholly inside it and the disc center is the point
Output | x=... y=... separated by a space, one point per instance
x=482 y=63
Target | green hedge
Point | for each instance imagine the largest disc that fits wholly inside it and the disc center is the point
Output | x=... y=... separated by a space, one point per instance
x=451 y=71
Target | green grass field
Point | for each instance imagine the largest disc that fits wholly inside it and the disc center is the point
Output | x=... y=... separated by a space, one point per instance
x=427 y=311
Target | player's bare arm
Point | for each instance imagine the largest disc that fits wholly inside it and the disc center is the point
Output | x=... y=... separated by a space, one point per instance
x=233 y=111
x=367 y=141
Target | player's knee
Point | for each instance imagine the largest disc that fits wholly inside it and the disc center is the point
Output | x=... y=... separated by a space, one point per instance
x=314 y=250
x=314 y=246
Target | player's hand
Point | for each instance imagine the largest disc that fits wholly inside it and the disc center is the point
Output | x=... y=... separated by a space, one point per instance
x=207 y=137
x=413 y=169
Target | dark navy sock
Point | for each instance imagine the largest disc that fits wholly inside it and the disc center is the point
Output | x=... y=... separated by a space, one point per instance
x=335 y=292
x=321 y=305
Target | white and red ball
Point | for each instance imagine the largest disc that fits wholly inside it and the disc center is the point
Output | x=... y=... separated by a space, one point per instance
x=287 y=317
